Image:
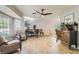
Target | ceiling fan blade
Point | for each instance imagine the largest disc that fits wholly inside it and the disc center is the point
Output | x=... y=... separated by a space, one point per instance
x=47 y=13
x=42 y=13
x=38 y=12
x=33 y=13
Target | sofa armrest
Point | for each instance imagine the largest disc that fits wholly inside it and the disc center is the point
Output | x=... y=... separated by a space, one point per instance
x=14 y=41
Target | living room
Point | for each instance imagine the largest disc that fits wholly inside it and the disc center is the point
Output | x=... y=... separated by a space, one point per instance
x=42 y=22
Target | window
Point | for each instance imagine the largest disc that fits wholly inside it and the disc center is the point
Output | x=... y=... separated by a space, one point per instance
x=17 y=24
x=4 y=24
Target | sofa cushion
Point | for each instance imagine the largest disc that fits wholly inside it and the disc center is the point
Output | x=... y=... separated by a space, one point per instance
x=3 y=40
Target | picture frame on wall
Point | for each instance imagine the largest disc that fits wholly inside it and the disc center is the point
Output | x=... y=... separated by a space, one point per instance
x=69 y=19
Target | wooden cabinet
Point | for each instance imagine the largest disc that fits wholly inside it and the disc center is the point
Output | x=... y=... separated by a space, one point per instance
x=65 y=36
x=68 y=34
x=69 y=37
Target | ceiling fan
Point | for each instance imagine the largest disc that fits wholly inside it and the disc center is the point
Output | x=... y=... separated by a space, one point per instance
x=42 y=13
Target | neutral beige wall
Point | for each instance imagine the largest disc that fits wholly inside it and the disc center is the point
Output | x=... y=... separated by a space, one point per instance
x=46 y=23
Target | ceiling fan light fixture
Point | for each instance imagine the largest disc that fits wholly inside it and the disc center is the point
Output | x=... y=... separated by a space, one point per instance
x=42 y=15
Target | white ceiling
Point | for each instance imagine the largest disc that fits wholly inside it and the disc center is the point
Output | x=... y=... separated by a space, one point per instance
x=27 y=10
x=8 y=11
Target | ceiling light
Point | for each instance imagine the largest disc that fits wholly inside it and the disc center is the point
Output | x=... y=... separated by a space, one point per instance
x=29 y=18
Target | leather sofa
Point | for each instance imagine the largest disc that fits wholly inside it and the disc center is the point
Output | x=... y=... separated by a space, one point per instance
x=8 y=47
